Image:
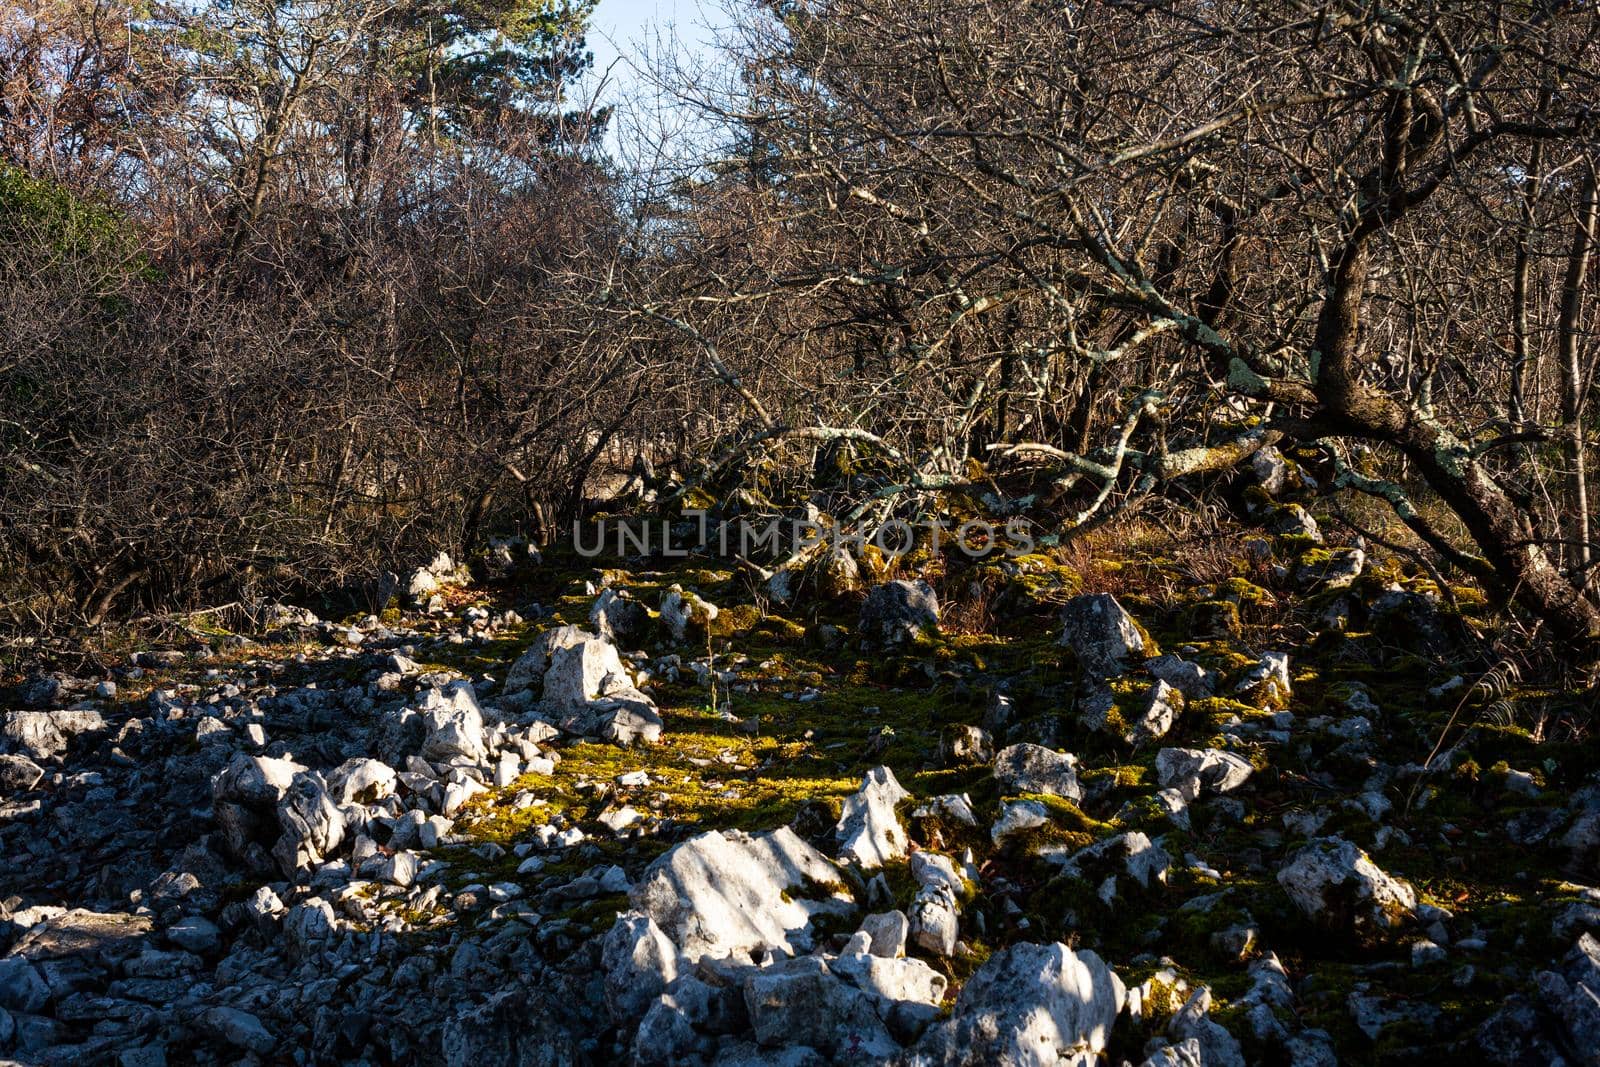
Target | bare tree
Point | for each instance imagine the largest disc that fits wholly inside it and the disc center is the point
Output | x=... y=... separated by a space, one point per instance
x=1140 y=242
x=260 y=331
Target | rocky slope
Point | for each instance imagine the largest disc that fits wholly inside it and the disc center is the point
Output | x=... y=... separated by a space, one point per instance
x=1271 y=807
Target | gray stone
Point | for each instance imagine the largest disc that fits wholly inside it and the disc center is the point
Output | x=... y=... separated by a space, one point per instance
x=1193 y=769
x=869 y=832
x=143 y=1056
x=240 y=1029
x=521 y=1027
x=886 y=933
x=640 y=962
x=18 y=774
x=1028 y=1006
x=196 y=934
x=1334 y=883
x=725 y=892
x=801 y=1002
x=42 y=734
x=1029 y=768
x=934 y=922
x=1103 y=636
x=897 y=612
x=22 y=987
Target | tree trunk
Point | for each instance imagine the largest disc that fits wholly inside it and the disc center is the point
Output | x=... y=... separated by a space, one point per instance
x=1573 y=380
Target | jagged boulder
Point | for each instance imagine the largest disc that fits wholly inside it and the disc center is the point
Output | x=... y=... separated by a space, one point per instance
x=801 y=1002
x=1027 y=1006
x=815 y=1009
x=889 y=975
x=1190 y=679
x=454 y=724
x=726 y=893
x=42 y=734
x=640 y=962
x=1132 y=855
x=587 y=691
x=244 y=803
x=869 y=831
x=22 y=987
x=1194 y=770
x=529 y=669
x=617 y=617
x=1335 y=884
x=886 y=933
x=312 y=825
x=361 y=781
x=682 y=609
x=1104 y=637
x=1029 y=768
x=1193 y=1026
x=897 y=612
x=398 y=733
x=1267 y=684
x=1155 y=712
x=1565 y=1014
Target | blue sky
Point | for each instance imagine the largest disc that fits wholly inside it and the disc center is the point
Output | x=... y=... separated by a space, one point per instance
x=620 y=28
x=649 y=127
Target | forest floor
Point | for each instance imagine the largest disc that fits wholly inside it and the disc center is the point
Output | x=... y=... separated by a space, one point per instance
x=1388 y=857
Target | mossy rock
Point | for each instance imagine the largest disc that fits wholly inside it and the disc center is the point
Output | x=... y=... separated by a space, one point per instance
x=1243 y=592
x=733 y=621
x=1215 y=618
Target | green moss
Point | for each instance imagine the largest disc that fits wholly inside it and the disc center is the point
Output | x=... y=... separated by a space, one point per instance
x=1242 y=591
x=1215 y=618
x=736 y=620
